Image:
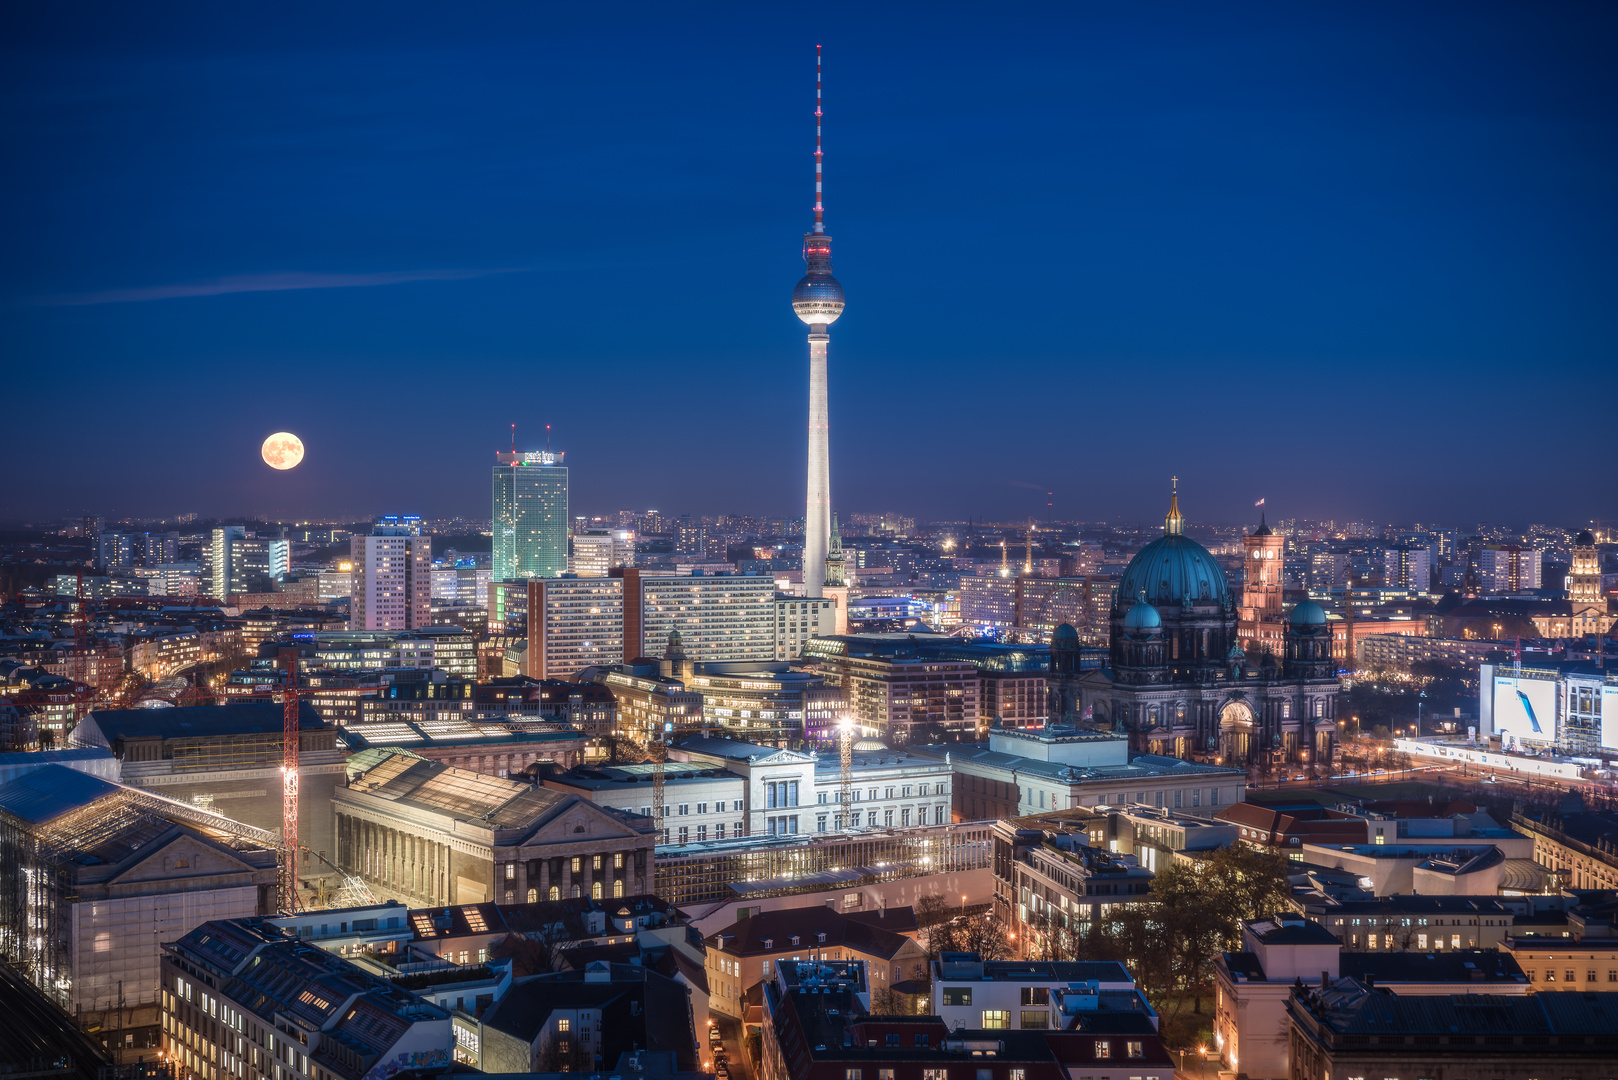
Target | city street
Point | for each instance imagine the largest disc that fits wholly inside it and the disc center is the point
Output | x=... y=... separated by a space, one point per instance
x=730 y=1034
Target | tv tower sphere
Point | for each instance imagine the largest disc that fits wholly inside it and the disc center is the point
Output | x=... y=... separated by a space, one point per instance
x=818 y=299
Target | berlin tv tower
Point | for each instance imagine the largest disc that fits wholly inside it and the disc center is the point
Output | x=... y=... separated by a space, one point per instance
x=818 y=300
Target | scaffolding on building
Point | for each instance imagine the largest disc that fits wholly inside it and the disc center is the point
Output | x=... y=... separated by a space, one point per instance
x=37 y=890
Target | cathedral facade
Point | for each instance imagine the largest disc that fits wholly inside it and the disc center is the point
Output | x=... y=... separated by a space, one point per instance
x=1178 y=681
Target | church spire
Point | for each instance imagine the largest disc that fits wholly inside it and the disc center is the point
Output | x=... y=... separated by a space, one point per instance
x=835 y=574
x=1174 y=523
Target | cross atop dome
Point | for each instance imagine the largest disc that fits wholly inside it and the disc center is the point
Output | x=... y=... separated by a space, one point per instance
x=1174 y=523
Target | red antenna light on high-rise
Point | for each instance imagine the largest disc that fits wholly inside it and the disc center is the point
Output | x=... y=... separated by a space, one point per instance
x=547 y=438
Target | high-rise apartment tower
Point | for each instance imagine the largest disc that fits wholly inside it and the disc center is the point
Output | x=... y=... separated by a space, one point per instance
x=392 y=584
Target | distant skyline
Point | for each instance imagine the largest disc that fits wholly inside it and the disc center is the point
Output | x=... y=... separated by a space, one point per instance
x=1359 y=262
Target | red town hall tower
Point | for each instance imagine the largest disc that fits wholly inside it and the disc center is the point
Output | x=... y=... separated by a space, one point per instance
x=1260 y=623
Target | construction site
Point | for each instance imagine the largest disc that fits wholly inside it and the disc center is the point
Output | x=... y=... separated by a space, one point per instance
x=97 y=875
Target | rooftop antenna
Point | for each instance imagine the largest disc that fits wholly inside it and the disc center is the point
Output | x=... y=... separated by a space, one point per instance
x=547 y=438
x=514 y=439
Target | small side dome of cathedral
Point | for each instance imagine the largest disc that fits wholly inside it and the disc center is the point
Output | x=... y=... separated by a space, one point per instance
x=1065 y=632
x=1584 y=539
x=1308 y=613
x=1141 y=617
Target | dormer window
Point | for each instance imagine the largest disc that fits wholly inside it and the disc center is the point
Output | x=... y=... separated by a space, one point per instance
x=794 y=939
x=769 y=943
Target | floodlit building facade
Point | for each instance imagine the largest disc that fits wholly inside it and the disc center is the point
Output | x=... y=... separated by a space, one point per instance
x=392 y=583
x=1508 y=568
x=97 y=875
x=429 y=834
x=573 y=623
x=719 y=617
x=1179 y=681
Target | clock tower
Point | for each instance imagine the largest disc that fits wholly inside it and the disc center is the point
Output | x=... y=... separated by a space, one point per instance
x=1260 y=627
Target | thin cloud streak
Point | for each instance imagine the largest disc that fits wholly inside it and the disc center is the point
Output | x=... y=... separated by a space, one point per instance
x=249 y=283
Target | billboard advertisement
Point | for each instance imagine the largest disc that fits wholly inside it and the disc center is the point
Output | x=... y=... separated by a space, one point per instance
x=1609 y=717
x=1524 y=711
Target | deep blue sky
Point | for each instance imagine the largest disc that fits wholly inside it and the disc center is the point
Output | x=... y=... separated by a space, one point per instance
x=1358 y=259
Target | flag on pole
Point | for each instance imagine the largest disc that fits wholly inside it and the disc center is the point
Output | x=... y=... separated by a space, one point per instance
x=1259 y=503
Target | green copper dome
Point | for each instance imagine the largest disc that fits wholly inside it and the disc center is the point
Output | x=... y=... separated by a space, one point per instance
x=1172 y=570
x=1308 y=613
x=1142 y=616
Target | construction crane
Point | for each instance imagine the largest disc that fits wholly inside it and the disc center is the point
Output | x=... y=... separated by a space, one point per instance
x=845 y=750
x=289 y=785
x=660 y=754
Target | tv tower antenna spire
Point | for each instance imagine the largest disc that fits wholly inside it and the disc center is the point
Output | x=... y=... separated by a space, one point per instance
x=820 y=224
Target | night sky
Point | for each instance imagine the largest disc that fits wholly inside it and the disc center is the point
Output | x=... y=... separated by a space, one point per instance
x=1359 y=261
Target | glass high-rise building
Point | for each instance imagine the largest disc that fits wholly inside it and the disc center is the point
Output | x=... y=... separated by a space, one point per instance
x=530 y=515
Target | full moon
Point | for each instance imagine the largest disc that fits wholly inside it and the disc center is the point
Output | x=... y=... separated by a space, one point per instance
x=283 y=450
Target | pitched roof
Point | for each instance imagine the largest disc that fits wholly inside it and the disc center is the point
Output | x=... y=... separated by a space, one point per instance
x=528 y=1005
x=748 y=936
x=1292 y=931
x=195 y=721
x=51 y=791
x=466 y=796
x=1452 y=966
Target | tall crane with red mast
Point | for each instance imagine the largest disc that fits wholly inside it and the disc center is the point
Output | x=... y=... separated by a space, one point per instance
x=288 y=863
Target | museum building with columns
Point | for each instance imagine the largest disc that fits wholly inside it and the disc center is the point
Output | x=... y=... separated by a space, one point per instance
x=428 y=834
x=1178 y=682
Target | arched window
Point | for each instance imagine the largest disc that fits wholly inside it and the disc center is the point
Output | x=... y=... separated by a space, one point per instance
x=617 y=889
x=555 y=894
x=576 y=893
x=595 y=891
x=533 y=895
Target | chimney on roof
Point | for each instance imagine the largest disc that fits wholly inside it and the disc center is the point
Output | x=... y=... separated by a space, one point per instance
x=1325 y=979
